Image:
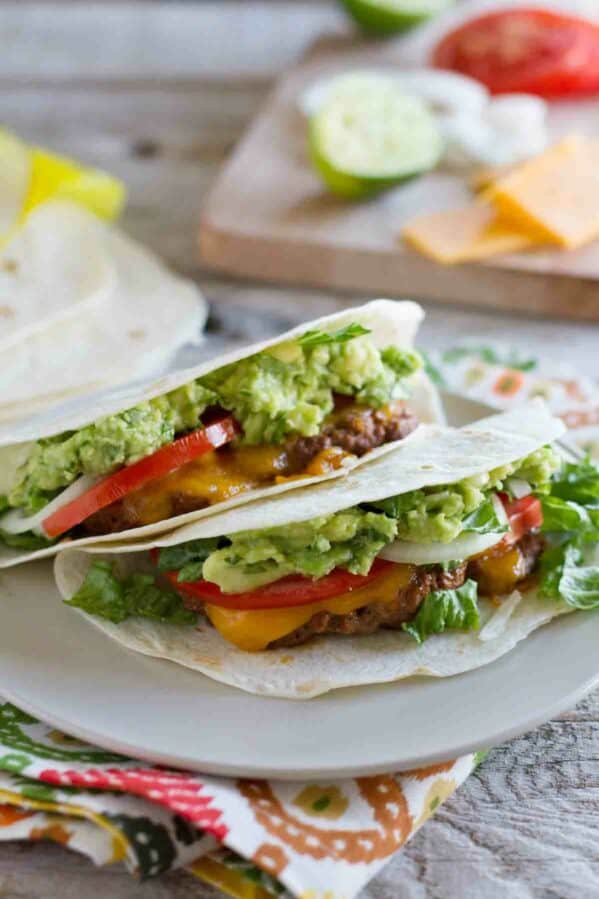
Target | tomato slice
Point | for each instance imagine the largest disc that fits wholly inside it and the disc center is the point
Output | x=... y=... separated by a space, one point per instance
x=533 y=51
x=294 y=590
x=132 y=477
x=524 y=514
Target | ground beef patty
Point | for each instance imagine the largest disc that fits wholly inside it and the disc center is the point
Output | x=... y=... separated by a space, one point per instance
x=393 y=614
x=354 y=429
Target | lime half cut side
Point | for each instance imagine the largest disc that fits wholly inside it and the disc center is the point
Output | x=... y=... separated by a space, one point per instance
x=371 y=137
x=390 y=16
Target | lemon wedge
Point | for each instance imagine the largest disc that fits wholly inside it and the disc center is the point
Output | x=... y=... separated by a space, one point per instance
x=30 y=176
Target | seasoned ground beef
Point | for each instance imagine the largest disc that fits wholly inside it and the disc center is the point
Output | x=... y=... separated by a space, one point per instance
x=378 y=614
x=356 y=430
x=393 y=614
x=353 y=429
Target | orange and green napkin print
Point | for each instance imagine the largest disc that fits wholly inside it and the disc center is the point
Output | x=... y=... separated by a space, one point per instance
x=504 y=378
x=253 y=839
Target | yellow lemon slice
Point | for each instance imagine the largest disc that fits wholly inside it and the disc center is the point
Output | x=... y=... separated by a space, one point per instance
x=29 y=176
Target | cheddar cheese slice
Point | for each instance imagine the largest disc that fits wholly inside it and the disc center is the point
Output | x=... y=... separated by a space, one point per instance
x=464 y=235
x=554 y=197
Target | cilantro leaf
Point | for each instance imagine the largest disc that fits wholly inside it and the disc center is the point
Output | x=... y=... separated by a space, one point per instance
x=322 y=338
x=446 y=610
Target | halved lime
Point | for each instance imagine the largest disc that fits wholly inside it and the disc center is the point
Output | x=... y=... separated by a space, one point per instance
x=370 y=136
x=389 y=16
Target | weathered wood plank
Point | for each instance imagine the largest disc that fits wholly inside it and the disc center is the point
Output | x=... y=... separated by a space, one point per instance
x=64 y=41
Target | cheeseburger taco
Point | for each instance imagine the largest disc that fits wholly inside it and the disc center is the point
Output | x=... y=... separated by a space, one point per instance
x=434 y=558
x=294 y=410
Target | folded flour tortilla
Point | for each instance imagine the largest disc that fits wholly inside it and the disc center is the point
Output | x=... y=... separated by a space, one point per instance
x=389 y=322
x=83 y=306
x=441 y=456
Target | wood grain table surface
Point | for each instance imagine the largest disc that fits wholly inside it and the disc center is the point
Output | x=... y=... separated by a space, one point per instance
x=158 y=93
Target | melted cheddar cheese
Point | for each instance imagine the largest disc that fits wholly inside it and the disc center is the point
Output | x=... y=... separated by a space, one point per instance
x=252 y=631
x=217 y=476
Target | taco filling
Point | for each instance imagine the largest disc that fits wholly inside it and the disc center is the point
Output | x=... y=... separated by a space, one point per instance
x=297 y=409
x=418 y=561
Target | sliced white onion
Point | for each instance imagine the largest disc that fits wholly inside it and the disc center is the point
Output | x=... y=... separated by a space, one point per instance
x=496 y=624
x=518 y=487
x=517 y=111
x=445 y=91
x=505 y=131
x=465 y=546
x=500 y=512
x=14 y=522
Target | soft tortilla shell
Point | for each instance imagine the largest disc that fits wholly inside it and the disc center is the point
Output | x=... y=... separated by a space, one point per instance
x=325 y=663
x=328 y=663
x=389 y=322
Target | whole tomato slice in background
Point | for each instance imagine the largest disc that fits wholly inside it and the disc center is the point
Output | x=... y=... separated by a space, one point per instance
x=524 y=514
x=532 y=51
x=132 y=477
x=294 y=590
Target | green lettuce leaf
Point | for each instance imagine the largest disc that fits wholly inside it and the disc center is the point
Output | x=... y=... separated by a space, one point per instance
x=187 y=558
x=579 y=587
x=564 y=515
x=28 y=540
x=571 y=526
x=577 y=482
x=484 y=520
x=104 y=595
x=446 y=610
x=564 y=575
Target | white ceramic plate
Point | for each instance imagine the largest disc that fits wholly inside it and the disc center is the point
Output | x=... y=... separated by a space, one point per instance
x=56 y=666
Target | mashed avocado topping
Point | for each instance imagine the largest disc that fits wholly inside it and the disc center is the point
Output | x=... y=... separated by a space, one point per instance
x=350 y=539
x=287 y=389
x=440 y=514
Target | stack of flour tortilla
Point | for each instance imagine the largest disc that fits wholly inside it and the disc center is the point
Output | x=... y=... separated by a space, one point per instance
x=82 y=306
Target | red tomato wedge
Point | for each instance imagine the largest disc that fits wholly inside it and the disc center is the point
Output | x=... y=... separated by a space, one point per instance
x=132 y=477
x=294 y=590
x=533 y=51
x=524 y=514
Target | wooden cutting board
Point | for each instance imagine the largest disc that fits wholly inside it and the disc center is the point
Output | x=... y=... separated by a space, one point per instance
x=268 y=216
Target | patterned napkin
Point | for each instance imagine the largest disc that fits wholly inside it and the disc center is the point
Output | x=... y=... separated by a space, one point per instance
x=257 y=839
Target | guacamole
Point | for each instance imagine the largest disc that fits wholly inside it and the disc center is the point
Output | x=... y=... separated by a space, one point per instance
x=350 y=539
x=287 y=389
x=440 y=514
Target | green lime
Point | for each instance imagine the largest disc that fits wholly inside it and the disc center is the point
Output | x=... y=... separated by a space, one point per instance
x=389 y=16
x=370 y=136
